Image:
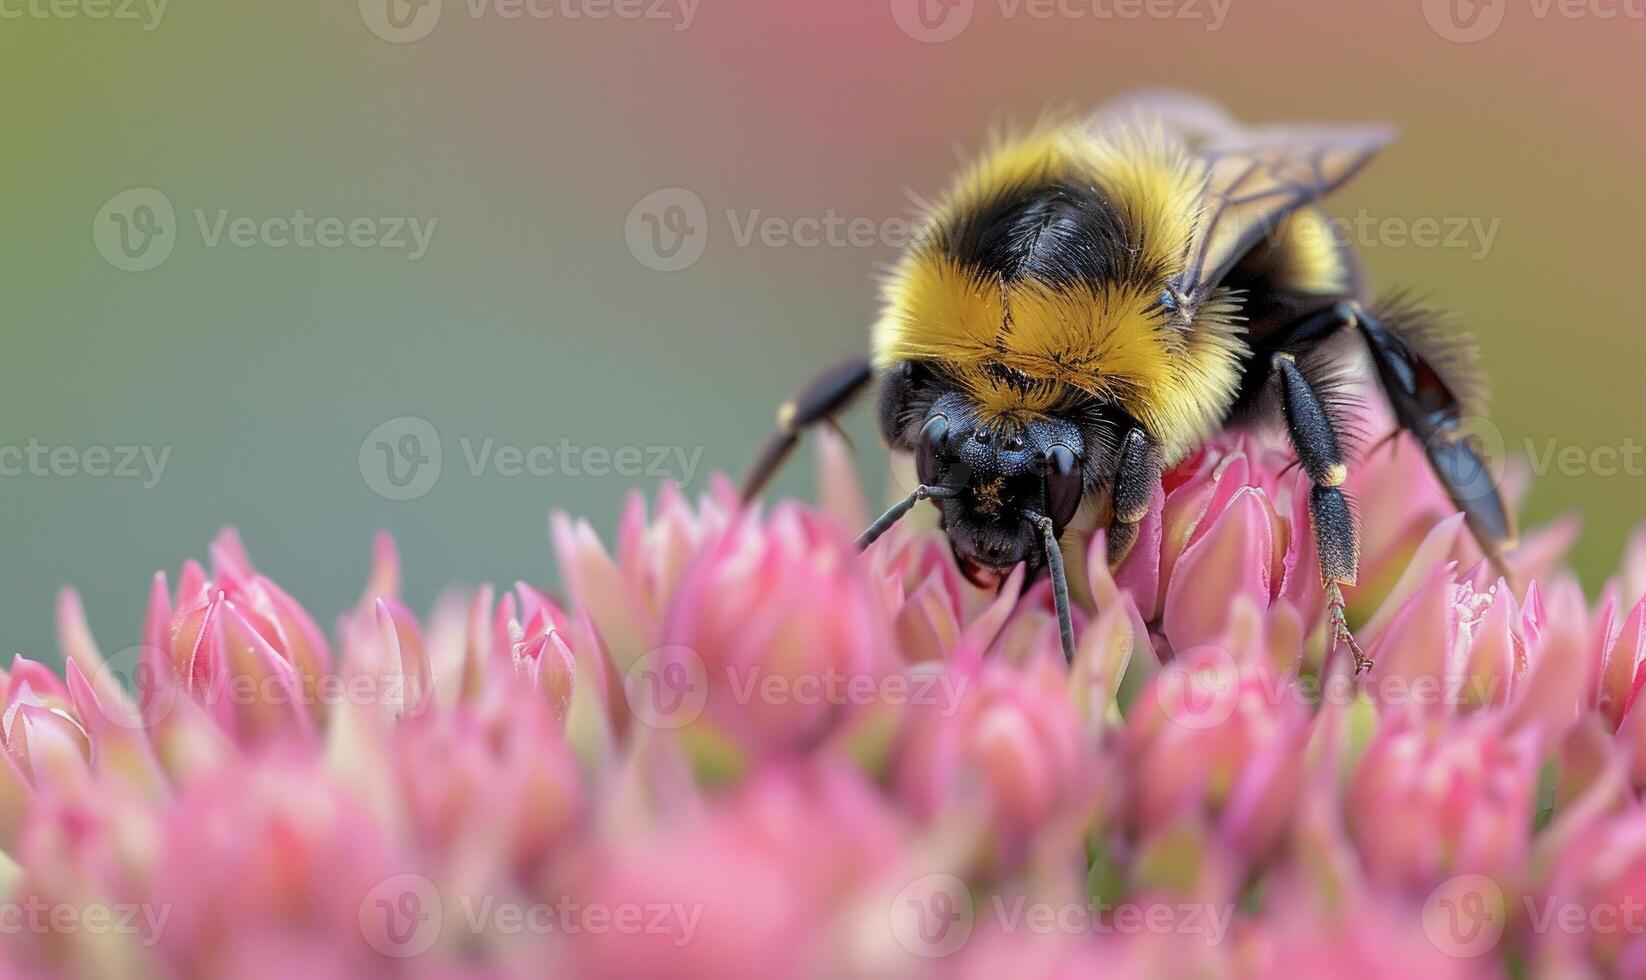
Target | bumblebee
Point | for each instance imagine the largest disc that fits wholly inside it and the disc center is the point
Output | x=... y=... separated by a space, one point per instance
x=1094 y=298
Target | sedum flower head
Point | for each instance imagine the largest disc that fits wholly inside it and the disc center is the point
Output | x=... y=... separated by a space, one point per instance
x=728 y=745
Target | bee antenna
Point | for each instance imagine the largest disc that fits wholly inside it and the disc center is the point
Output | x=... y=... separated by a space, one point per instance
x=1060 y=581
x=895 y=514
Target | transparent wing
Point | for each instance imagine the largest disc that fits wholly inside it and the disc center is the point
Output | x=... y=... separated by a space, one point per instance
x=1258 y=177
x=1255 y=177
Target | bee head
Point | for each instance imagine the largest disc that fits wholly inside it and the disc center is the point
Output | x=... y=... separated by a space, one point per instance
x=1002 y=474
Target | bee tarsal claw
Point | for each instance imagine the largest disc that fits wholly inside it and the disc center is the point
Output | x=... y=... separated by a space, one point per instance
x=1341 y=634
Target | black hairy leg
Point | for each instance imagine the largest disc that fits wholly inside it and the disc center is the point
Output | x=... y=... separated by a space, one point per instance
x=1426 y=370
x=825 y=396
x=1315 y=434
x=1134 y=485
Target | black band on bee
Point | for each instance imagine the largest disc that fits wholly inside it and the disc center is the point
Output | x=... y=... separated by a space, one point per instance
x=1061 y=232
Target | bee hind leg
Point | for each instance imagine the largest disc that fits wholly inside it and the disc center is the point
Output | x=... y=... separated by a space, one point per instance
x=1315 y=436
x=831 y=392
x=1427 y=374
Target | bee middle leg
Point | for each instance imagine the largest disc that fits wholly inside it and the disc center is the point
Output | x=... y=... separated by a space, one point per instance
x=1314 y=435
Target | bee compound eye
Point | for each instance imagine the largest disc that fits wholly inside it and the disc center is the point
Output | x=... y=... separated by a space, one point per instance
x=932 y=450
x=1064 y=485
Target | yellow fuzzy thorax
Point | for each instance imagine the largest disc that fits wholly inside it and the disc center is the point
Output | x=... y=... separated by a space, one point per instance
x=1026 y=348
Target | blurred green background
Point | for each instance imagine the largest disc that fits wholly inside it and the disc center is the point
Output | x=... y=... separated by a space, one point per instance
x=536 y=318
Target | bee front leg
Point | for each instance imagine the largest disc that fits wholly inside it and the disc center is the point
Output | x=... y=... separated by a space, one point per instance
x=1320 y=452
x=1134 y=485
x=824 y=397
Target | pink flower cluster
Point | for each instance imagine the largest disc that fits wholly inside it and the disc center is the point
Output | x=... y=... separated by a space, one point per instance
x=734 y=747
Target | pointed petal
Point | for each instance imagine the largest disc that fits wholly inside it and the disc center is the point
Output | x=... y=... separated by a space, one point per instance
x=1436 y=549
x=384 y=580
x=1418 y=643
x=1139 y=575
x=409 y=680
x=1234 y=558
x=1620 y=664
x=839 y=489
